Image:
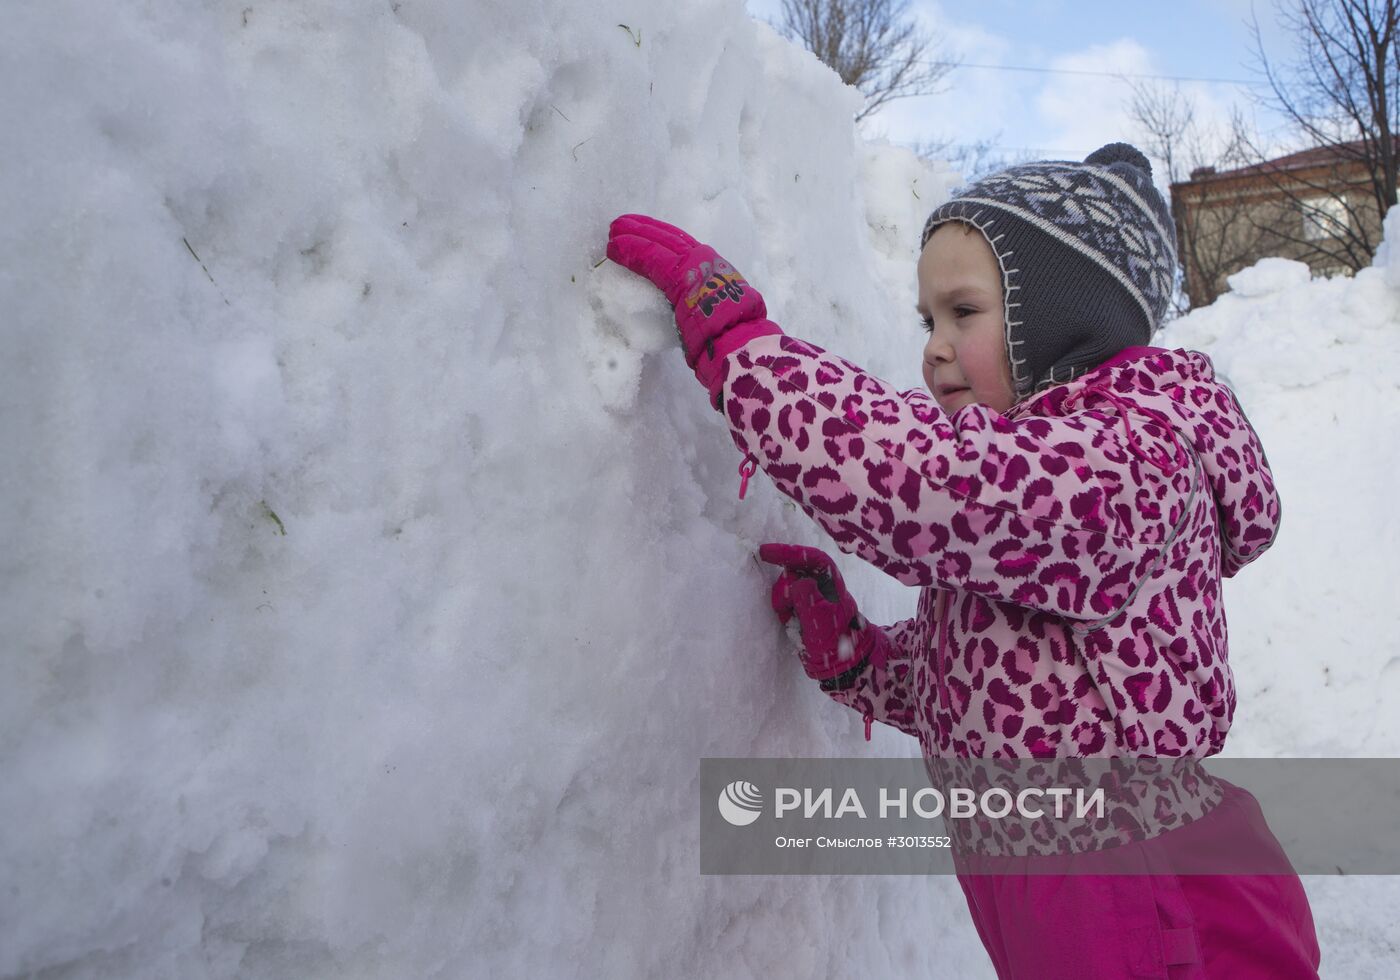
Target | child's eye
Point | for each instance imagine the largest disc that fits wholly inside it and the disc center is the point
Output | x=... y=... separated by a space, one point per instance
x=927 y=324
x=964 y=311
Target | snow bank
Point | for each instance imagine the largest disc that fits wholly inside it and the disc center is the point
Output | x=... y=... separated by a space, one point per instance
x=1313 y=639
x=375 y=578
x=1316 y=364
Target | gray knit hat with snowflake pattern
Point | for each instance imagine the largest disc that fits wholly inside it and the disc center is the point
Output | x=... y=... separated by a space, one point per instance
x=1087 y=254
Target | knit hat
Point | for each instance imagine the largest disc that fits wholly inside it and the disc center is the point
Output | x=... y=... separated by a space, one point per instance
x=1087 y=254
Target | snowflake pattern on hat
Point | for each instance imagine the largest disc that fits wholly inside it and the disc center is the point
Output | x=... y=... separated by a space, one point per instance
x=1105 y=209
x=1095 y=210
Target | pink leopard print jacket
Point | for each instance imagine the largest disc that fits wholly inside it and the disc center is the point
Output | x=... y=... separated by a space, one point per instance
x=1070 y=553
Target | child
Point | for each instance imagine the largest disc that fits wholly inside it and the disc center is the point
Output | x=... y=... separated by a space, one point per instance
x=1068 y=499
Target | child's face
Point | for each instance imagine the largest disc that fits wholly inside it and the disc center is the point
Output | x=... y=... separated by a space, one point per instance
x=960 y=291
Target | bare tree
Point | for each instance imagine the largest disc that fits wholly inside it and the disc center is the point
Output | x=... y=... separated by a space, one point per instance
x=1214 y=238
x=871 y=44
x=1341 y=92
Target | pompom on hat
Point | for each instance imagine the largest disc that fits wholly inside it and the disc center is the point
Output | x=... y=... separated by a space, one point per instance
x=1087 y=254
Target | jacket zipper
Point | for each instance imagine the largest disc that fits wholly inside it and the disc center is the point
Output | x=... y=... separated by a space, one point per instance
x=747 y=469
x=941 y=615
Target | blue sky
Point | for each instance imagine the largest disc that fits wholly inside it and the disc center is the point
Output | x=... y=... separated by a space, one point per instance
x=1065 y=115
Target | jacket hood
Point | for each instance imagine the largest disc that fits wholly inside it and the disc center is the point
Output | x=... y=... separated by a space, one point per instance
x=1178 y=390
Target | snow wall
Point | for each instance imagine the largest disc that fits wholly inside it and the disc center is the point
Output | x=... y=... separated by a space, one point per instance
x=375 y=577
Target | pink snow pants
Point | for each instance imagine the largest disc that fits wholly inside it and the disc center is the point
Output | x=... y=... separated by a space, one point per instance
x=1162 y=926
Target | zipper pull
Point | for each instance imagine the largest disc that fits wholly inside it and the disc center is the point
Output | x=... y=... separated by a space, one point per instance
x=869 y=717
x=751 y=462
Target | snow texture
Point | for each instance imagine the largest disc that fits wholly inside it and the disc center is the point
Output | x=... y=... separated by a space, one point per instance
x=375 y=577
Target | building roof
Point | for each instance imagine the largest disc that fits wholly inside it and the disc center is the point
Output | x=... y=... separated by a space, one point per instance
x=1316 y=156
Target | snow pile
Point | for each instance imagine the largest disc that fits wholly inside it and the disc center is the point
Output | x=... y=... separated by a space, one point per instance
x=375 y=578
x=374 y=575
x=1316 y=364
x=1313 y=639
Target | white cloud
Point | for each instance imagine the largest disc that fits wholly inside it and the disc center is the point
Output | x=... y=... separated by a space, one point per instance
x=1056 y=116
x=1083 y=112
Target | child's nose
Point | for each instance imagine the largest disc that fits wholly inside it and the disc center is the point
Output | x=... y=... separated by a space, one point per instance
x=937 y=349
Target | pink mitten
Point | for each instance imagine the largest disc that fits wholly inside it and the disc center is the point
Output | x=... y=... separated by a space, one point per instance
x=717 y=311
x=837 y=641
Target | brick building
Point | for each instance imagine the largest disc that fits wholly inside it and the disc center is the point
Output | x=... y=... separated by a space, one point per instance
x=1316 y=206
